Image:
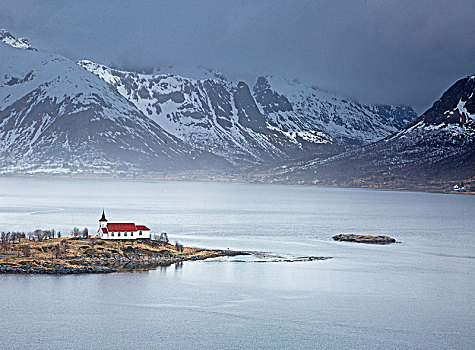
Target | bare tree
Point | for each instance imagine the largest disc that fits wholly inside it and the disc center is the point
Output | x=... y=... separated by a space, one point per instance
x=75 y=232
x=59 y=234
x=5 y=244
x=38 y=235
x=46 y=234
x=85 y=232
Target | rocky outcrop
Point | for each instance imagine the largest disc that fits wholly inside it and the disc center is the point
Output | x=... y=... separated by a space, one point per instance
x=108 y=264
x=53 y=269
x=364 y=239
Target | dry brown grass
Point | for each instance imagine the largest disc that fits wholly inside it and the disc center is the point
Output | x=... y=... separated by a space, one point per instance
x=70 y=248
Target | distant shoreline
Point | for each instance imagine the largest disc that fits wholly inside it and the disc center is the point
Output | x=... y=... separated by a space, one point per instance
x=207 y=178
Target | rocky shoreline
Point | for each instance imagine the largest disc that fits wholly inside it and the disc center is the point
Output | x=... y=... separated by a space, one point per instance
x=107 y=265
x=53 y=269
x=364 y=239
x=81 y=255
x=91 y=255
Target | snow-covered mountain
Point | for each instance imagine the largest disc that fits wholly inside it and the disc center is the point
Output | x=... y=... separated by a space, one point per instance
x=21 y=43
x=310 y=113
x=57 y=117
x=277 y=120
x=209 y=114
x=438 y=146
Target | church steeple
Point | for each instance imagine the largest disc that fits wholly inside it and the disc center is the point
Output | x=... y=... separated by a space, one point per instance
x=103 y=218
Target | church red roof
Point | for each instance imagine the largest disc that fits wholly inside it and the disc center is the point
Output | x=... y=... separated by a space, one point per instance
x=127 y=227
x=142 y=228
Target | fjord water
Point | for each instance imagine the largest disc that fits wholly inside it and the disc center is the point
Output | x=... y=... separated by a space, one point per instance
x=417 y=294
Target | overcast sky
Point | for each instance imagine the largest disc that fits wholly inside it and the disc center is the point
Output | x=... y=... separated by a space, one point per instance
x=399 y=51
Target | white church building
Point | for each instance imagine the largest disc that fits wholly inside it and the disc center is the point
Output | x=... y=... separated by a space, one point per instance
x=121 y=230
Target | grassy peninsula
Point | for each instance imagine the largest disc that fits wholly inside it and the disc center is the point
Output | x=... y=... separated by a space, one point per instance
x=74 y=255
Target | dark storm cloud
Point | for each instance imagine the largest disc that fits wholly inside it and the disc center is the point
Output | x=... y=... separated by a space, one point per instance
x=375 y=51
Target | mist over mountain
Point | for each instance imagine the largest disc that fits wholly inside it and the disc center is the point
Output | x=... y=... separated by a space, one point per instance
x=384 y=52
x=57 y=118
x=274 y=120
x=437 y=148
x=61 y=117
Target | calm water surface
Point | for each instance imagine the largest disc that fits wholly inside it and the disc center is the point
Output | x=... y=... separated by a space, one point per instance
x=418 y=294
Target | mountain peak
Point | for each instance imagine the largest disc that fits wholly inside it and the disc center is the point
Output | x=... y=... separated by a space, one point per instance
x=270 y=100
x=20 y=43
x=456 y=106
x=262 y=83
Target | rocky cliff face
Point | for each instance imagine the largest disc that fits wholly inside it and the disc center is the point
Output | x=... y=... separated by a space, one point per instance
x=277 y=120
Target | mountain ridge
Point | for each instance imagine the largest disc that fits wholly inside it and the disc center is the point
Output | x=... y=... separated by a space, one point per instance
x=252 y=126
x=438 y=148
x=56 y=123
x=166 y=122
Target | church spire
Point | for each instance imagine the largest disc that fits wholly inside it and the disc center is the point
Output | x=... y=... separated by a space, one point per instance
x=103 y=218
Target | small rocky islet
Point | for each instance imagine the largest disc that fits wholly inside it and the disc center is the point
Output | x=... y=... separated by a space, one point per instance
x=364 y=239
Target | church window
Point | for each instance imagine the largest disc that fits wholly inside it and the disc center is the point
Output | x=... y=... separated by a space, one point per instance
x=140 y=233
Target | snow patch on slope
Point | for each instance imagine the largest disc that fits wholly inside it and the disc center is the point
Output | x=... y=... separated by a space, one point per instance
x=20 y=43
x=56 y=115
x=345 y=120
x=212 y=113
